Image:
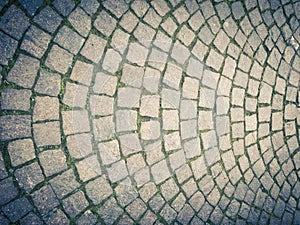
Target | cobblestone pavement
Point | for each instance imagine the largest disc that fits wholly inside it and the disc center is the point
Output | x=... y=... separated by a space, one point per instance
x=150 y=112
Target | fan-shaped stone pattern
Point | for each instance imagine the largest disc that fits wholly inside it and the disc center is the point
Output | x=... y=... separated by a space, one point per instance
x=150 y=112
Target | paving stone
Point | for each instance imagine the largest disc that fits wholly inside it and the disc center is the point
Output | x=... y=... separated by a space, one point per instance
x=101 y=105
x=160 y=171
x=132 y=75
x=188 y=109
x=210 y=79
x=125 y=193
x=152 y=18
x=93 y=48
x=46 y=108
x=119 y=40
x=24 y=71
x=150 y=105
x=170 y=98
x=172 y=76
x=118 y=8
x=47 y=133
x=188 y=129
x=169 y=26
x=196 y=21
x=69 y=40
x=185 y=35
x=207 y=98
x=180 y=53
x=111 y=61
x=192 y=148
x=105 y=23
x=214 y=60
x=144 y=34
x=199 y=50
x=72 y=127
x=29 y=176
x=64 y=183
x=42 y=86
x=168 y=213
x=88 y=168
x=79 y=145
x=8 y=47
x=90 y=7
x=105 y=211
x=96 y=194
x=75 y=203
x=35 y=42
x=64 y=7
x=172 y=141
x=140 y=7
x=153 y=152
x=156 y=203
x=59 y=59
x=126 y=120
x=129 y=20
x=129 y=97
x=31 y=218
x=150 y=130
x=48 y=19
x=13 y=99
x=105 y=84
x=104 y=128
x=82 y=72
x=57 y=217
x=117 y=171
x=87 y=218
x=205 y=120
x=136 y=208
x=80 y=21
x=190 y=88
x=177 y=159
x=206 y=35
x=15 y=127
x=52 y=161
x=151 y=80
x=137 y=53
x=17 y=209
x=14 y=22
x=9 y=191
x=45 y=199
x=109 y=152
x=21 y=151
x=130 y=143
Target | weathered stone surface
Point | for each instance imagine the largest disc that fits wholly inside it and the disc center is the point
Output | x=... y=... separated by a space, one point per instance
x=29 y=176
x=35 y=42
x=24 y=71
x=45 y=199
x=64 y=183
x=46 y=108
x=52 y=161
x=15 y=127
x=59 y=59
x=9 y=191
x=14 y=22
x=7 y=46
x=17 y=209
x=13 y=99
x=48 y=133
x=21 y=151
x=48 y=19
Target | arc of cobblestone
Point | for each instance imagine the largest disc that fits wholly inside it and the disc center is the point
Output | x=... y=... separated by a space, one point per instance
x=217 y=147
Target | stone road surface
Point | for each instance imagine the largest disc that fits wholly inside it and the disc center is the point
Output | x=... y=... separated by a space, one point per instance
x=150 y=112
